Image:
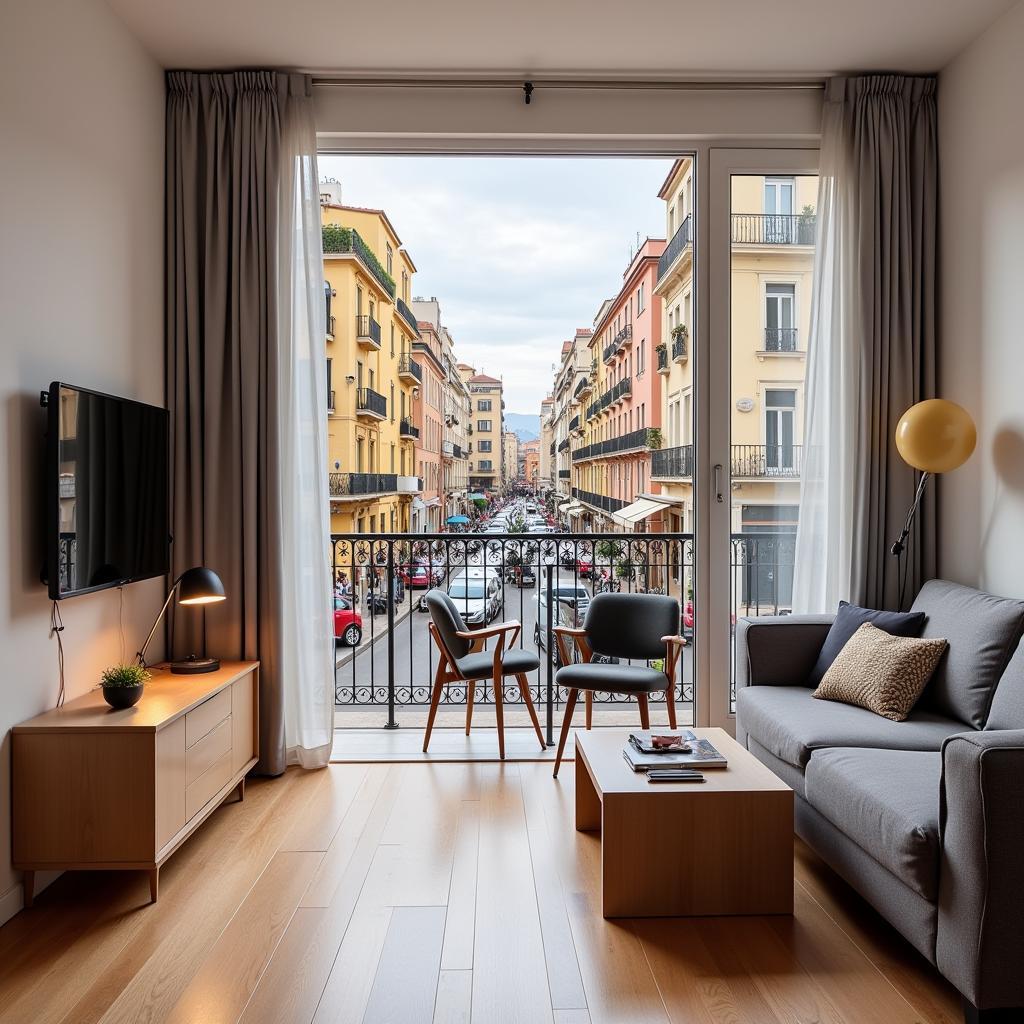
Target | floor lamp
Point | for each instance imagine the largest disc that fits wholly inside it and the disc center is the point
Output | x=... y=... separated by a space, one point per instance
x=934 y=436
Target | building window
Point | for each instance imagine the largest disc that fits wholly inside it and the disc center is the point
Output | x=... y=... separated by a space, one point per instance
x=640 y=300
x=392 y=404
x=780 y=318
x=392 y=458
x=330 y=388
x=359 y=301
x=779 y=427
x=392 y=341
x=484 y=405
x=485 y=446
x=484 y=425
x=391 y=259
x=483 y=465
x=779 y=200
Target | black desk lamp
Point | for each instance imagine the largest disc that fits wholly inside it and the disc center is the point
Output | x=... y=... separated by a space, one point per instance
x=198 y=585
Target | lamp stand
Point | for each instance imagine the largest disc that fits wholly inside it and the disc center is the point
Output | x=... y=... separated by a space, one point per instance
x=899 y=546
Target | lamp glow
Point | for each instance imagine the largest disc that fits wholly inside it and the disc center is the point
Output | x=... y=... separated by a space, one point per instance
x=195 y=586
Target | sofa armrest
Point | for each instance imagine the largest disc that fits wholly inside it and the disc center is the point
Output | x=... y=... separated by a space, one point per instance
x=778 y=650
x=981 y=899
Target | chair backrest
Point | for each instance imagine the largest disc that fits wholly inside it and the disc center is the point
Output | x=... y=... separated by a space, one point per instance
x=631 y=625
x=448 y=622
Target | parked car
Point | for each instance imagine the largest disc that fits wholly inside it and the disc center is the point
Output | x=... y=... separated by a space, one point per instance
x=348 y=623
x=478 y=598
x=582 y=567
x=522 y=575
x=418 y=575
x=568 y=595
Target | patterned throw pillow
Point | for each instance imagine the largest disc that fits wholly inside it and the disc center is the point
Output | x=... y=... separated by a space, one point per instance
x=883 y=673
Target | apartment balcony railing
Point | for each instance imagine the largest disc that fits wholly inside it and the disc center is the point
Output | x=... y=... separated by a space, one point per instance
x=457 y=452
x=766 y=460
x=680 y=241
x=563 y=445
x=552 y=447
x=331 y=323
x=409 y=484
x=593 y=409
x=367 y=332
x=345 y=485
x=680 y=347
x=406 y=428
x=621 y=391
x=773 y=228
x=673 y=463
x=564 y=474
x=447 y=449
x=583 y=387
x=399 y=672
x=780 y=339
x=408 y=369
x=621 y=340
x=747 y=461
x=407 y=315
x=370 y=403
x=604 y=502
x=635 y=440
x=574 y=423
x=338 y=240
x=662 y=359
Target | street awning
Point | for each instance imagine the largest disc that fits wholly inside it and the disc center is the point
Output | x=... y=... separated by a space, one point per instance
x=458 y=521
x=629 y=516
x=574 y=509
x=432 y=503
x=567 y=501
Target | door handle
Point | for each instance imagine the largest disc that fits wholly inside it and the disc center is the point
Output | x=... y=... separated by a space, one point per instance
x=718 y=483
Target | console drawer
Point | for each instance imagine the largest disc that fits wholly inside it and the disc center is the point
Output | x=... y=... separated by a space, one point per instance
x=200 y=720
x=204 y=753
x=206 y=787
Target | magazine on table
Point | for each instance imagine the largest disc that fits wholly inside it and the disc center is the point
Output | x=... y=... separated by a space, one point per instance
x=642 y=753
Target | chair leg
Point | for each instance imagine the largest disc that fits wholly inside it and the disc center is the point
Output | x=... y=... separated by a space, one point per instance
x=435 y=699
x=499 y=714
x=670 y=700
x=570 y=703
x=470 y=693
x=645 y=714
x=524 y=689
x=590 y=708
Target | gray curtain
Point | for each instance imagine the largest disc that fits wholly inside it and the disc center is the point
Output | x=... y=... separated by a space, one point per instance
x=872 y=352
x=224 y=151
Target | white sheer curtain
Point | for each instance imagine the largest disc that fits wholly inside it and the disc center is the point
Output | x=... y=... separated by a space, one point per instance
x=824 y=539
x=306 y=638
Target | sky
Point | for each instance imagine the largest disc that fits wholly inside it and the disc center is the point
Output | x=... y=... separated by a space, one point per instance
x=519 y=251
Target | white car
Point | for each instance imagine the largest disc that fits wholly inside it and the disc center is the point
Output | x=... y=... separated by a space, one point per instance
x=568 y=594
x=477 y=598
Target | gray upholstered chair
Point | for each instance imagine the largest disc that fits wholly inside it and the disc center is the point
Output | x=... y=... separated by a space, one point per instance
x=462 y=659
x=631 y=626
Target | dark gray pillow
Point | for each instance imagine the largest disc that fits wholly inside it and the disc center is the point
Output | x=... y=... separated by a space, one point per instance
x=849 y=619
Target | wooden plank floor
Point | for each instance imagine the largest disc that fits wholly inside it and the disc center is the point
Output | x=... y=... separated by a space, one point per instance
x=435 y=893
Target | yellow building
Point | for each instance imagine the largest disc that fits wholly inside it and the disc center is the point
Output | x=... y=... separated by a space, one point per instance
x=486 y=426
x=371 y=379
x=772 y=267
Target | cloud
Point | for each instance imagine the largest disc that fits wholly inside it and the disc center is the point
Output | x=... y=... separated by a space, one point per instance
x=519 y=251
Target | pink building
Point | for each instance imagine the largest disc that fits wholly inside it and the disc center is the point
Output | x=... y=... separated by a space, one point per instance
x=617 y=441
x=428 y=421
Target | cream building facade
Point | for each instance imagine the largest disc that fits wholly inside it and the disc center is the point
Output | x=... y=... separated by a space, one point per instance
x=485 y=429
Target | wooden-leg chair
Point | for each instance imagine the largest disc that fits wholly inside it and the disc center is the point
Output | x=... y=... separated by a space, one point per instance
x=461 y=659
x=624 y=626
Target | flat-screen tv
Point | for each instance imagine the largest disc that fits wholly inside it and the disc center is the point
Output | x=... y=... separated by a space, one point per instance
x=106 y=491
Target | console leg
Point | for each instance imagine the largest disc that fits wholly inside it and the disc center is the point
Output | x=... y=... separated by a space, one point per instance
x=1002 y=1015
x=154 y=885
x=28 y=885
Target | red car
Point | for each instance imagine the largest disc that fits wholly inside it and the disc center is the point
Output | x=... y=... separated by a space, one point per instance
x=416 y=575
x=348 y=624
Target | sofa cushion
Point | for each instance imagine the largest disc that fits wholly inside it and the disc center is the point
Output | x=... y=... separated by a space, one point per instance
x=1007 y=710
x=790 y=723
x=982 y=631
x=849 y=619
x=887 y=802
x=880 y=672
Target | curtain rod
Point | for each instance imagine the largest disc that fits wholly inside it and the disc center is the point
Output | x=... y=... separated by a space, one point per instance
x=653 y=85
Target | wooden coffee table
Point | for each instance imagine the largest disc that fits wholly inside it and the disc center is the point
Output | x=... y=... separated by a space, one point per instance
x=676 y=850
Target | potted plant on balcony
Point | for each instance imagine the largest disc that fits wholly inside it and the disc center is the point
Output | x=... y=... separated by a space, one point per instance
x=123 y=685
x=654 y=438
x=805 y=226
x=679 y=331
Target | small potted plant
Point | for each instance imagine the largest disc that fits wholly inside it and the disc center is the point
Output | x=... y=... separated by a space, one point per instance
x=123 y=685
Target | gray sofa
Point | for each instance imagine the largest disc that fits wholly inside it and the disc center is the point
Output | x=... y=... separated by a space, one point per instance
x=925 y=818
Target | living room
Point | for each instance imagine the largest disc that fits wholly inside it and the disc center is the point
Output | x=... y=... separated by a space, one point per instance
x=212 y=851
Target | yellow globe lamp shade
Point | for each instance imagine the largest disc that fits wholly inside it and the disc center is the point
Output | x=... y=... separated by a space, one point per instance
x=936 y=436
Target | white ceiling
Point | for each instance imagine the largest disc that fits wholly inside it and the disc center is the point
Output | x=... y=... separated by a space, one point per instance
x=606 y=38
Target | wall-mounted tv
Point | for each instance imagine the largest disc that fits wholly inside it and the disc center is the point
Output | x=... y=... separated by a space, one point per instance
x=106 y=491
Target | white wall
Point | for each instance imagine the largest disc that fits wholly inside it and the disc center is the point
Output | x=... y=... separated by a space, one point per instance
x=81 y=299
x=981 y=145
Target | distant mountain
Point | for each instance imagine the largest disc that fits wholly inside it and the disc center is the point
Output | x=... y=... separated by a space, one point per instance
x=526 y=426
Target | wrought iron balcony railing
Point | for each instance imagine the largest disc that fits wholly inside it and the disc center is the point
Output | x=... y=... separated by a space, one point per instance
x=604 y=502
x=679 y=347
x=370 y=401
x=780 y=339
x=563 y=444
x=406 y=428
x=331 y=322
x=574 y=423
x=620 y=341
x=564 y=474
x=367 y=329
x=680 y=241
x=343 y=485
x=674 y=463
x=635 y=440
x=409 y=367
x=662 y=359
x=749 y=461
x=773 y=228
x=621 y=391
x=583 y=387
x=407 y=315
